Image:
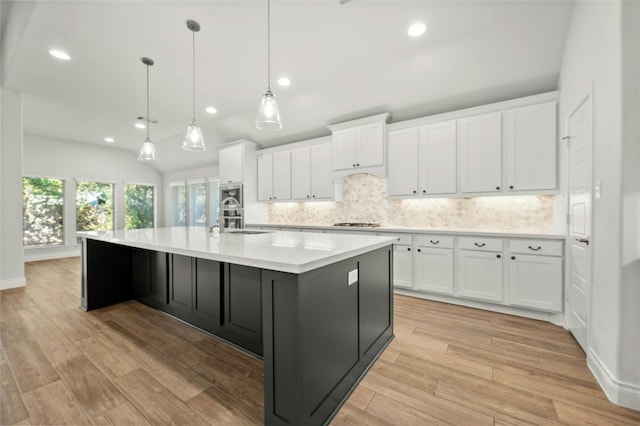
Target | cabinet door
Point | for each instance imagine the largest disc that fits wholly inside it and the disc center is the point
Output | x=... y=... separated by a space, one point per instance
x=370 y=145
x=243 y=306
x=531 y=147
x=345 y=149
x=231 y=164
x=139 y=273
x=434 y=270
x=158 y=277
x=207 y=295
x=480 y=161
x=403 y=162
x=437 y=153
x=301 y=173
x=402 y=266
x=265 y=177
x=480 y=275
x=180 y=287
x=282 y=175
x=322 y=171
x=536 y=282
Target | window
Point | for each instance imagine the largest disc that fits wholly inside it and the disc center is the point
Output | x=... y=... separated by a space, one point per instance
x=197 y=203
x=42 y=204
x=138 y=206
x=94 y=206
x=178 y=204
x=214 y=201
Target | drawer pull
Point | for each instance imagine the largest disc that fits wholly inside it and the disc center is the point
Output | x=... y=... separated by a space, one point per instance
x=419 y=250
x=479 y=245
x=513 y=258
x=408 y=248
x=434 y=242
x=535 y=249
x=498 y=256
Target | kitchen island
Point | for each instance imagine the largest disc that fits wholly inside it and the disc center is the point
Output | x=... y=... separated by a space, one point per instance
x=317 y=307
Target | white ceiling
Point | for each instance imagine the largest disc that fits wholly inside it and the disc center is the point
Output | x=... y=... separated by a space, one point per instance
x=346 y=60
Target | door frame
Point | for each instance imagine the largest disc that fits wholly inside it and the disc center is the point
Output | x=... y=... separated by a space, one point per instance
x=585 y=99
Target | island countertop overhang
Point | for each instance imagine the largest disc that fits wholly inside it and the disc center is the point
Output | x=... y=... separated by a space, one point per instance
x=282 y=251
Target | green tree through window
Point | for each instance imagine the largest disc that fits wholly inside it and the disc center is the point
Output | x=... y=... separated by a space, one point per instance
x=42 y=204
x=94 y=206
x=138 y=200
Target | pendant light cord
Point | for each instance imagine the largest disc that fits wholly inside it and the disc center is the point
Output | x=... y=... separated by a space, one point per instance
x=268 y=45
x=194 y=75
x=147 y=101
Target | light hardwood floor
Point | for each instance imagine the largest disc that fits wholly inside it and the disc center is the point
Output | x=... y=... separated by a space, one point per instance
x=129 y=364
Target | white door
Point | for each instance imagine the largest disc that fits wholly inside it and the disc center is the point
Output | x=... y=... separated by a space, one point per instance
x=438 y=158
x=265 y=177
x=301 y=174
x=231 y=164
x=282 y=175
x=402 y=266
x=370 y=145
x=434 y=269
x=321 y=171
x=403 y=162
x=480 y=161
x=579 y=132
x=345 y=149
x=480 y=275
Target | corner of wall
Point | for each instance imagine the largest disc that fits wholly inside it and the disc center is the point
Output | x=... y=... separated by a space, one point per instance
x=8 y=283
x=618 y=392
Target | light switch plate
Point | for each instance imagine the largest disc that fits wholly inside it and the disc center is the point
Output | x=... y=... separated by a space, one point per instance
x=353 y=276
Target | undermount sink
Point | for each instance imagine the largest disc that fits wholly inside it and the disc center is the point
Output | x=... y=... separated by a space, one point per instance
x=247 y=232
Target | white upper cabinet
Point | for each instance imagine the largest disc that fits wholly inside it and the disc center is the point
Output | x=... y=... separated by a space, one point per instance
x=480 y=153
x=422 y=160
x=437 y=153
x=322 y=172
x=312 y=172
x=359 y=143
x=274 y=176
x=301 y=173
x=531 y=147
x=403 y=162
x=231 y=164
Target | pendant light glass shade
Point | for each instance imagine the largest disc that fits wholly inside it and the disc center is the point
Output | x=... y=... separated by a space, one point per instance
x=268 y=114
x=193 y=140
x=148 y=150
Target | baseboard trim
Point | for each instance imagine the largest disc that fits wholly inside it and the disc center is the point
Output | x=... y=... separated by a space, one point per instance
x=618 y=392
x=48 y=253
x=13 y=283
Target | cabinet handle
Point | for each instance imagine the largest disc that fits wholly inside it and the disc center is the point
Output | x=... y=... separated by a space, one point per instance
x=510 y=186
x=408 y=248
x=307 y=196
x=479 y=245
x=424 y=191
x=314 y=196
x=354 y=164
x=358 y=164
x=415 y=192
x=270 y=198
x=535 y=249
x=419 y=250
x=498 y=188
x=434 y=242
x=498 y=256
x=513 y=258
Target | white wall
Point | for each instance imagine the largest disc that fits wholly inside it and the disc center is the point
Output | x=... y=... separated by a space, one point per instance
x=11 y=255
x=49 y=157
x=593 y=58
x=208 y=172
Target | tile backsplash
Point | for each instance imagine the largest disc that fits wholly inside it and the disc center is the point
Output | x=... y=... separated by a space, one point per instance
x=365 y=200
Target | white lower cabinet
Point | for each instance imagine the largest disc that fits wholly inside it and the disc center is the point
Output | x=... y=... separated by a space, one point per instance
x=479 y=275
x=433 y=264
x=535 y=280
x=402 y=266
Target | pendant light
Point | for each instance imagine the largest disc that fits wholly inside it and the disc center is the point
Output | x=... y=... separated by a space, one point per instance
x=268 y=114
x=193 y=140
x=148 y=150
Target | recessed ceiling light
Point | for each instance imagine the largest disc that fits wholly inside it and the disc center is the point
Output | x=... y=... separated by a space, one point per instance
x=417 y=29
x=110 y=140
x=211 y=109
x=60 y=54
x=140 y=126
x=284 y=81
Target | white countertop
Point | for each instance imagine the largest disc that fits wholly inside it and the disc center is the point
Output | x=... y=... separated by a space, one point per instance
x=293 y=252
x=498 y=233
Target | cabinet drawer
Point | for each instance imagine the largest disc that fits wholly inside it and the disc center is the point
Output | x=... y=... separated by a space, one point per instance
x=436 y=241
x=480 y=243
x=405 y=239
x=548 y=248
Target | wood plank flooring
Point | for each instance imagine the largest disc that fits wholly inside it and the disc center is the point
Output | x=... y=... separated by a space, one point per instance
x=129 y=364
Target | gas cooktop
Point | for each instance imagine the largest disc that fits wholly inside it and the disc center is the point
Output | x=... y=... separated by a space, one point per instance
x=358 y=224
